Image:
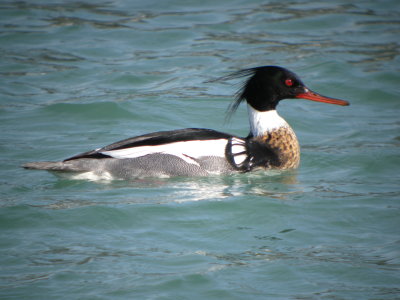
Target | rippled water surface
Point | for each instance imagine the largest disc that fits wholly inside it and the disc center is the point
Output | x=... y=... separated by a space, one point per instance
x=78 y=75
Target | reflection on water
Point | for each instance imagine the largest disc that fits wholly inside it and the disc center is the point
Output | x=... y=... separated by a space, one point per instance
x=272 y=184
x=277 y=185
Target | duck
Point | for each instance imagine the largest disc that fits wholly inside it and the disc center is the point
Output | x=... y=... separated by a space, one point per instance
x=271 y=144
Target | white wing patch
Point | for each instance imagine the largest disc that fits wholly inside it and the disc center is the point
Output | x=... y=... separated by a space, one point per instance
x=238 y=151
x=188 y=151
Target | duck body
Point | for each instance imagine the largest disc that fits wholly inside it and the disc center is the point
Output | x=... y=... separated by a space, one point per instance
x=271 y=144
x=184 y=152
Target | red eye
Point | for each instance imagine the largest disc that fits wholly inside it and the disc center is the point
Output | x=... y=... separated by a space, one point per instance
x=289 y=82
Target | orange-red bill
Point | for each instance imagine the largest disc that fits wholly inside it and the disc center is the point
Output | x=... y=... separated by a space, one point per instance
x=310 y=95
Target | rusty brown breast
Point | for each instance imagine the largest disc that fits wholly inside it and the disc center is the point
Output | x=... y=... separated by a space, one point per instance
x=284 y=143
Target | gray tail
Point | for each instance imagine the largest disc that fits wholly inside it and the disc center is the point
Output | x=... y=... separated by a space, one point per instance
x=46 y=165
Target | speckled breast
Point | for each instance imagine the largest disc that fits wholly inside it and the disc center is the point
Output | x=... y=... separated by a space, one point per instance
x=284 y=141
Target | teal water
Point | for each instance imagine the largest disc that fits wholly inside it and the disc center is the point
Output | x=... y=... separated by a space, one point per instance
x=78 y=75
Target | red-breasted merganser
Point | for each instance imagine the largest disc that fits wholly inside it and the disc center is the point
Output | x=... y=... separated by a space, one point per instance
x=271 y=144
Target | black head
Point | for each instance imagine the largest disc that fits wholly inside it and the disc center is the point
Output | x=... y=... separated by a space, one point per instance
x=268 y=85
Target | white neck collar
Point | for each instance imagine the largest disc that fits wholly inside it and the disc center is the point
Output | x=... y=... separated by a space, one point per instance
x=264 y=121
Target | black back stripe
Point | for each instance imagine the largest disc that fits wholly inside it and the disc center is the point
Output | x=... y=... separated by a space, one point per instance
x=167 y=137
x=156 y=139
x=89 y=154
